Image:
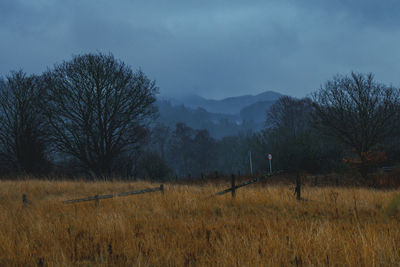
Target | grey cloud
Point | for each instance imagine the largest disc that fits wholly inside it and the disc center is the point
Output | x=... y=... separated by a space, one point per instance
x=218 y=48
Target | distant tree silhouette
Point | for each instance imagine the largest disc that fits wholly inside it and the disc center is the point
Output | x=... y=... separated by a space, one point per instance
x=98 y=109
x=160 y=135
x=153 y=167
x=180 y=149
x=23 y=131
x=295 y=144
x=358 y=111
x=204 y=151
x=290 y=115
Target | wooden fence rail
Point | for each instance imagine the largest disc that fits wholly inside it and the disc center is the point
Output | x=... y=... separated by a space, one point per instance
x=124 y=194
x=233 y=188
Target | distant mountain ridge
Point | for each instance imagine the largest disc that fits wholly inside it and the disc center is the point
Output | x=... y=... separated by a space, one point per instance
x=225 y=117
x=230 y=105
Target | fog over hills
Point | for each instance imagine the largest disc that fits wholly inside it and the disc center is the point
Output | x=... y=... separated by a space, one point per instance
x=225 y=117
x=230 y=105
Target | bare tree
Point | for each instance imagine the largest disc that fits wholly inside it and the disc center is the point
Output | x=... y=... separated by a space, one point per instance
x=23 y=131
x=289 y=114
x=290 y=137
x=160 y=135
x=98 y=109
x=358 y=111
x=204 y=152
x=180 y=149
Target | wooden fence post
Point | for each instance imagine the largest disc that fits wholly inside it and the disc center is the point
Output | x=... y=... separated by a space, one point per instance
x=233 y=186
x=24 y=199
x=297 y=190
x=162 y=189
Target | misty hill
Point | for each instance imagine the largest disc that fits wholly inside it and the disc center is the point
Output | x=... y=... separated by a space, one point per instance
x=230 y=105
x=237 y=115
x=219 y=125
x=256 y=112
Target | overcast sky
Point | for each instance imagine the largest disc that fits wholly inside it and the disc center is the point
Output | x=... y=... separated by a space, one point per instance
x=215 y=48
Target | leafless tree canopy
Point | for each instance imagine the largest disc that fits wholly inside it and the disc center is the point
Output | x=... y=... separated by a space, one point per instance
x=357 y=110
x=98 y=108
x=23 y=136
x=289 y=114
x=289 y=136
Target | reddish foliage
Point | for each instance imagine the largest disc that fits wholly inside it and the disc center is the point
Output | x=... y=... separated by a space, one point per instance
x=368 y=160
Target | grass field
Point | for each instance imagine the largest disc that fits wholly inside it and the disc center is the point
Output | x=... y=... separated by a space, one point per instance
x=263 y=226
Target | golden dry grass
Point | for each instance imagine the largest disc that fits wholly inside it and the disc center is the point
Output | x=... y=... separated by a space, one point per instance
x=263 y=226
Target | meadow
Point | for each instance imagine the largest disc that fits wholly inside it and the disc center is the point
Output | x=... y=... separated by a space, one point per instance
x=263 y=226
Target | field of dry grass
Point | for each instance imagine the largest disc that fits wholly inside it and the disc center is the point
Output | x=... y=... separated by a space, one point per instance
x=263 y=226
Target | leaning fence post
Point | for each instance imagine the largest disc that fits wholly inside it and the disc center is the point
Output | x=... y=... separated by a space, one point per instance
x=297 y=190
x=162 y=189
x=233 y=186
x=96 y=197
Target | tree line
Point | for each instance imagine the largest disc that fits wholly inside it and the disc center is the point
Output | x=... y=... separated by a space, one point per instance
x=94 y=116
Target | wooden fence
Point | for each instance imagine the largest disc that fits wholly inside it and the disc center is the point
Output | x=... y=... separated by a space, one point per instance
x=232 y=189
x=124 y=194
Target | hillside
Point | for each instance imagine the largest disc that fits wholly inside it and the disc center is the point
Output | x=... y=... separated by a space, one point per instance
x=256 y=112
x=219 y=125
x=230 y=105
x=225 y=117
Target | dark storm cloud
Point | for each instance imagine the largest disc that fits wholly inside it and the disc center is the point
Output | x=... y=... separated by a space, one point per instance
x=217 y=48
x=378 y=13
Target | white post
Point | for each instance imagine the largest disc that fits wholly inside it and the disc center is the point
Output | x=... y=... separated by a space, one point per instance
x=270 y=166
